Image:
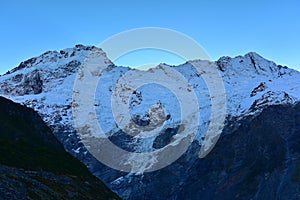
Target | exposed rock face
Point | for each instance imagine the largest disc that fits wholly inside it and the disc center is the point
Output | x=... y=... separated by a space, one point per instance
x=20 y=84
x=260 y=88
x=249 y=161
x=33 y=84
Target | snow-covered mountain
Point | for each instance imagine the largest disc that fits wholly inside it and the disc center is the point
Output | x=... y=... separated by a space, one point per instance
x=45 y=83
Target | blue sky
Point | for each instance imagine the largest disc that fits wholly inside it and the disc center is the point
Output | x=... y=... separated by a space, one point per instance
x=270 y=28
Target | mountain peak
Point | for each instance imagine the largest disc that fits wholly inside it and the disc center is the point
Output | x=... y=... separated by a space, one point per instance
x=253 y=55
x=34 y=75
x=73 y=53
x=251 y=64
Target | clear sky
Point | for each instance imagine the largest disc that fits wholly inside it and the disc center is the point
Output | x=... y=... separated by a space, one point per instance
x=270 y=28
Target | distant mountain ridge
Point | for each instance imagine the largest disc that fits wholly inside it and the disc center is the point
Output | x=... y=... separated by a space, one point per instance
x=253 y=86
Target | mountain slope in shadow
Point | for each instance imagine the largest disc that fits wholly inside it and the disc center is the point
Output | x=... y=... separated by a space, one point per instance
x=34 y=165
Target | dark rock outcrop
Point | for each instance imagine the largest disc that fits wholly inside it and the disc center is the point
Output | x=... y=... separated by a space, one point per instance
x=33 y=83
